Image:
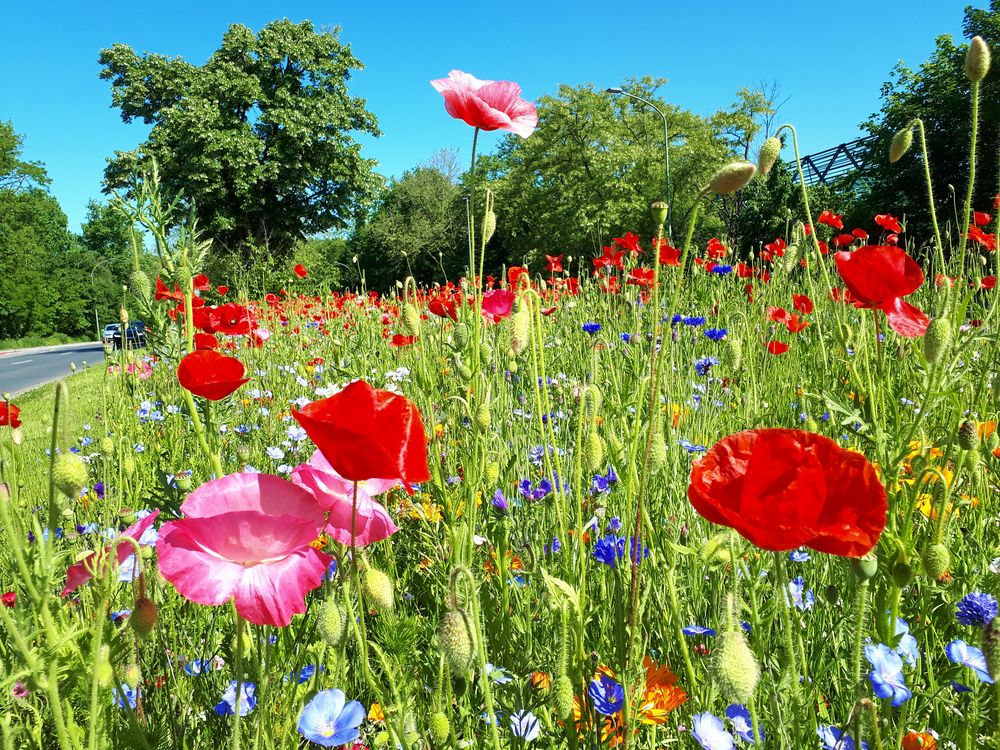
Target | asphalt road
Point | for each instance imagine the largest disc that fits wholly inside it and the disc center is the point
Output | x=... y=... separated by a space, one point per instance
x=26 y=369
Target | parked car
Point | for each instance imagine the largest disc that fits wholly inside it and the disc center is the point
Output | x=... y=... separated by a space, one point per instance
x=135 y=334
x=109 y=332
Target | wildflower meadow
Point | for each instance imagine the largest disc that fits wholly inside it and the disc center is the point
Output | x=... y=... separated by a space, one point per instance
x=674 y=494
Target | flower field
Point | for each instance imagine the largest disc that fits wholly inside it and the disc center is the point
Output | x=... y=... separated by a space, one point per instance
x=672 y=495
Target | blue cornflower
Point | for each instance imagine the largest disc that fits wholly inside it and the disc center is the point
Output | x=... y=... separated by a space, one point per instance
x=500 y=503
x=532 y=493
x=608 y=696
x=676 y=318
x=722 y=270
x=798 y=596
x=524 y=725
x=715 y=334
x=627 y=338
x=330 y=721
x=887 y=674
x=599 y=484
x=127 y=698
x=304 y=674
x=799 y=556
x=606 y=550
x=615 y=524
x=120 y=615
x=695 y=321
x=248 y=701
x=831 y=737
x=962 y=653
x=739 y=717
x=99 y=490
x=554 y=547
x=703 y=365
x=591 y=328
x=977 y=608
x=693 y=630
x=711 y=733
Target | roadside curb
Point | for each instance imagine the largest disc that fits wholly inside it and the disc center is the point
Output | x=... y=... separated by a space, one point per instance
x=43 y=349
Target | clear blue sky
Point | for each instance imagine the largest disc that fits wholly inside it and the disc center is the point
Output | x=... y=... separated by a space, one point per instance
x=829 y=58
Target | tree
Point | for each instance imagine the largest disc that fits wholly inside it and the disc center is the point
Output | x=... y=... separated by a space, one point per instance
x=259 y=139
x=937 y=92
x=15 y=173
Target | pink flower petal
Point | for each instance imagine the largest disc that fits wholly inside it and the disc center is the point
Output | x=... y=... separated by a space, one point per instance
x=79 y=573
x=198 y=575
x=257 y=492
x=905 y=319
x=271 y=594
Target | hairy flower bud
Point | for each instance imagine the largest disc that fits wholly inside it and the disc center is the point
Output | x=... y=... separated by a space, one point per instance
x=489 y=226
x=977 y=59
x=732 y=177
x=768 y=154
x=69 y=474
x=123 y=317
x=377 y=588
x=457 y=640
x=411 y=320
x=440 y=729
x=991 y=647
x=520 y=330
x=143 y=618
x=140 y=285
x=330 y=623
x=937 y=560
x=460 y=336
x=482 y=417
x=938 y=339
x=492 y=473
x=594 y=451
x=901 y=143
x=563 y=698
x=734 y=667
x=968 y=435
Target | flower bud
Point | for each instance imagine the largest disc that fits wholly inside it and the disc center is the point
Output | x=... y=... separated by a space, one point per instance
x=563 y=698
x=69 y=474
x=492 y=473
x=902 y=573
x=659 y=211
x=937 y=560
x=938 y=339
x=140 y=285
x=657 y=454
x=768 y=154
x=520 y=330
x=968 y=435
x=128 y=464
x=103 y=672
x=482 y=417
x=440 y=729
x=901 y=143
x=489 y=226
x=330 y=623
x=864 y=568
x=593 y=452
x=714 y=550
x=411 y=320
x=377 y=588
x=460 y=336
x=457 y=640
x=106 y=447
x=123 y=317
x=132 y=675
x=734 y=667
x=143 y=618
x=977 y=59
x=732 y=177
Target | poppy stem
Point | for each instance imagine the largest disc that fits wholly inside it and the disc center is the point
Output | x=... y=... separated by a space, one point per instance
x=963 y=229
x=930 y=191
x=783 y=602
x=235 y=744
x=861 y=606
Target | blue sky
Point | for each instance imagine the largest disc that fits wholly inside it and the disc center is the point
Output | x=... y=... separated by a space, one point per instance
x=829 y=58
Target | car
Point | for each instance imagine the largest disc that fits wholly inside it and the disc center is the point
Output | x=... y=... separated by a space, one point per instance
x=109 y=332
x=134 y=334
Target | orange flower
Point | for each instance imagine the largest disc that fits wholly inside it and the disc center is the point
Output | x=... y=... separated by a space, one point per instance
x=919 y=741
x=661 y=695
x=541 y=680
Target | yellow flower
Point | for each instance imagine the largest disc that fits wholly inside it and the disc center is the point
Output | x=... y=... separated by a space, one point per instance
x=439 y=430
x=375 y=713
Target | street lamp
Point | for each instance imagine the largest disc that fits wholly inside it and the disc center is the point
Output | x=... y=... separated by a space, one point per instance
x=97 y=323
x=666 y=151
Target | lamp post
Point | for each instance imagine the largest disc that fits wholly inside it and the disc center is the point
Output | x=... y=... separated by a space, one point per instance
x=97 y=323
x=666 y=151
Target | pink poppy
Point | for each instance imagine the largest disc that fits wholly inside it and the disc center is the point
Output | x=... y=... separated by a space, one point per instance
x=487 y=105
x=80 y=572
x=497 y=304
x=246 y=537
x=336 y=495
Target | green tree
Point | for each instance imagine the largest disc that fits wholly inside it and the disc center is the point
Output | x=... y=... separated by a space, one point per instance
x=15 y=173
x=259 y=139
x=938 y=93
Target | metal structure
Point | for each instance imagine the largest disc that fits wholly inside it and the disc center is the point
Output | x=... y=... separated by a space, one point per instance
x=826 y=167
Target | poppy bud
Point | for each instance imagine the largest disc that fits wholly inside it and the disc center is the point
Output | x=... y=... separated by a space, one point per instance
x=563 y=698
x=123 y=316
x=594 y=451
x=968 y=435
x=715 y=552
x=901 y=143
x=465 y=372
x=768 y=154
x=128 y=465
x=411 y=320
x=832 y=594
x=735 y=350
x=132 y=675
x=938 y=339
x=520 y=330
x=902 y=573
x=460 y=337
x=992 y=442
x=140 y=285
x=864 y=568
x=183 y=278
x=377 y=588
x=977 y=59
x=937 y=560
x=595 y=395
x=991 y=647
x=482 y=417
x=657 y=454
x=484 y=355
x=381 y=739
x=734 y=667
x=489 y=226
x=457 y=640
x=790 y=258
x=69 y=474
x=106 y=447
x=103 y=672
x=143 y=617
x=440 y=729
x=492 y=473
x=330 y=623
x=659 y=211
x=732 y=177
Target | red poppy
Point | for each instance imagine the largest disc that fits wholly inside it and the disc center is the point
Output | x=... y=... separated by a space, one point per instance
x=201 y=283
x=514 y=274
x=367 y=433
x=783 y=489
x=988 y=241
x=629 y=242
x=878 y=278
x=300 y=271
x=610 y=258
x=443 y=306
x=773 y=250
x=988 y=282
x=981 y=218
x=232 y=319
x=9 y=599
x=808 y=229
x=861 y=234
x=211 y=375
x=10 y=415
x=795 y=324
x=888 y=222
x=641 y=277
x=802 y=303
x=223 y=290
x=162 y=292
x=203 y=341
x=831 y=219
x=716 y=249
x=399 y=340
x=777 y=314
x=843 y=240
x=743 y=270
x=487 y=105
x=611 y=285
x=777 y=347
x=553 y=263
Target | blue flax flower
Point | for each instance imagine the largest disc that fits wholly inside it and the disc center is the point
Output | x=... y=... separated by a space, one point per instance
x=977 y=609
x=887 y=674
x=831 y=737
x=711 y=733
x=608 y=696
x=248 y=701
x=962 y=653
x=330 y=721
x=127 y=698
x=524 y=725
x=907 y=644
x=739 y=717
x=798 y=596
x=799 y=556
x=693 y=630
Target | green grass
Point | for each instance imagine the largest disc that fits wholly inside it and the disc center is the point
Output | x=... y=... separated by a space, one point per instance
x=26 y=342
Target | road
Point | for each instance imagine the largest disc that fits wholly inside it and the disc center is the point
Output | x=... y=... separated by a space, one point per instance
x=28 y=368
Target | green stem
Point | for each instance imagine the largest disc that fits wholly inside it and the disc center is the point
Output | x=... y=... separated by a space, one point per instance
x=782 y=602
x=675 y=615
x=239 y=682
x=861 y=606
x=964 y=228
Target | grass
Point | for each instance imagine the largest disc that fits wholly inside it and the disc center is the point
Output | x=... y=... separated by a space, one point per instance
x=55 y=339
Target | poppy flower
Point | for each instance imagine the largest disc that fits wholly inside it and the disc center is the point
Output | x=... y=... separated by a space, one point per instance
x=222 y=289
x=795 y=324
x=888 y=222
x=211 y=375
x=371 y=522
x=831 y=219
x=80 y=572
x=514 y=274
x=861 y=234
x=843 y=240
x=300 y=271
x=640 y=276
x=989 y=282
x=611 y=257
x=204 y=341
x=669 y=256
x=246 y=538
x=497 y=304
x=782 y=489
x=443 y=306
x=553 y=263
x=878 y=278
x=10 y=415
x=487 y=105
x=232 y=319
x=629 y=243
x=163 y=293
x=777 y=347
x=981 y=218
x=399 y=340
x=802 y=303
x=368 y=433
